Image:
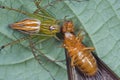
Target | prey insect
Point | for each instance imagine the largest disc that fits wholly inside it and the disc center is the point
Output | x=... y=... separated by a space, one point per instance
x=81 y=56
x=81 y=63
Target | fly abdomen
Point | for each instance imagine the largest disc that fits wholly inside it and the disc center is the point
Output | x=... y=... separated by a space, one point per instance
x=86 y=63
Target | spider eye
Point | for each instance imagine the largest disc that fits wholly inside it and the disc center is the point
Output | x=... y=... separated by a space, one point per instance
x=52 y=28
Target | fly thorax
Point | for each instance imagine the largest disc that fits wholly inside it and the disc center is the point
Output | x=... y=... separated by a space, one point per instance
x=68 y=35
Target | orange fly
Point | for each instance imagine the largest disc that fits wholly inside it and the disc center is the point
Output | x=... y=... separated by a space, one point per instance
x=80 y=55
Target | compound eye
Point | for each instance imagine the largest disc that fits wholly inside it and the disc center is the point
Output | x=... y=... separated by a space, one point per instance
x=52 y=28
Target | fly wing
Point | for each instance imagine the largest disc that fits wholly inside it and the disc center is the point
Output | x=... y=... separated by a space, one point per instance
x=104 y=72
x=69 y=69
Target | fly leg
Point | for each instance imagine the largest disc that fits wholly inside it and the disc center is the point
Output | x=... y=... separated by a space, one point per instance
x=73 y=61
x=89 y=49
x=80 y=36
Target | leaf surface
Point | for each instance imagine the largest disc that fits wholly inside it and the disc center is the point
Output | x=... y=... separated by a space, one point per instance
x=99 y=18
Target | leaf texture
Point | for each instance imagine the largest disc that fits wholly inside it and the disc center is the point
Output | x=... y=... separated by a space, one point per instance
x=98 y=18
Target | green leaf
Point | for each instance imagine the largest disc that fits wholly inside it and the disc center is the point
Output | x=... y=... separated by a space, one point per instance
x=99 y=18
